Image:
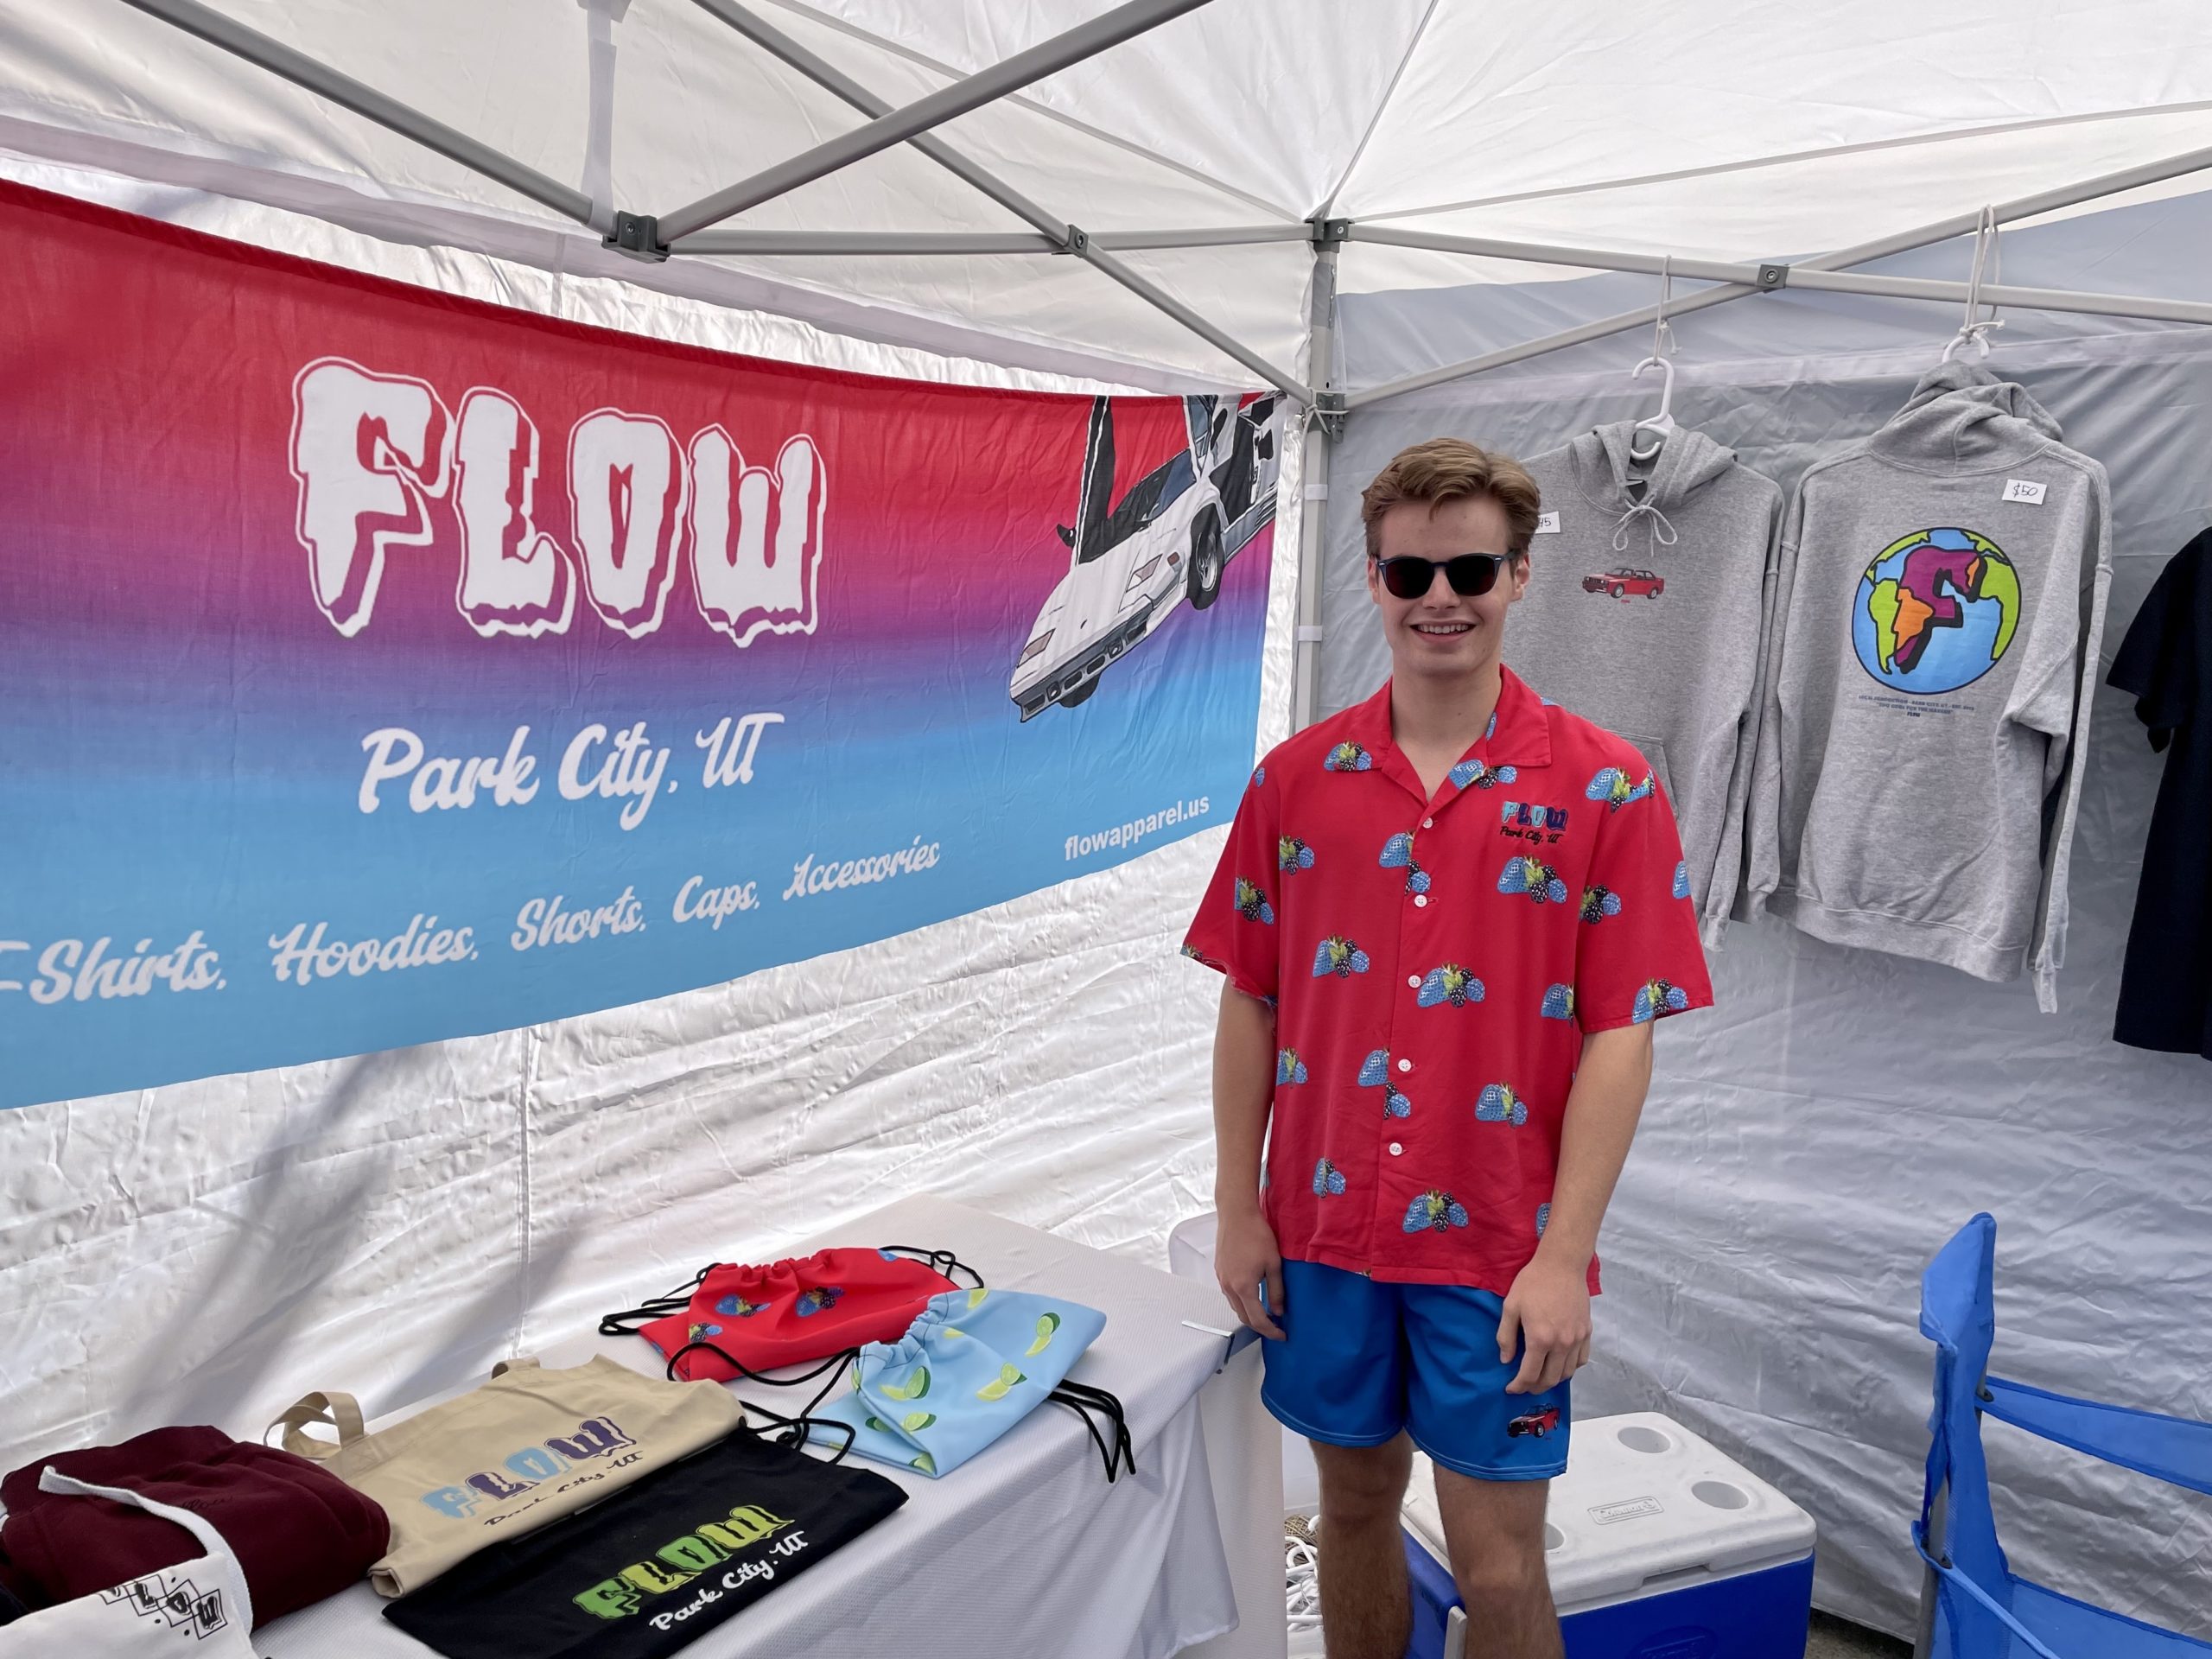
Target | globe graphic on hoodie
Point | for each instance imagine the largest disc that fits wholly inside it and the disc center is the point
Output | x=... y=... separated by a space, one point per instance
x=1937 y=610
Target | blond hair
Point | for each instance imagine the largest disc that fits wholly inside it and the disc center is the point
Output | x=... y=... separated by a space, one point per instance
x=1451 y=470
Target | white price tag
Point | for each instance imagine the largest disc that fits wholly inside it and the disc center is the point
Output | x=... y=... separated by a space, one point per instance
x=1547 y=523
x=2019 y=489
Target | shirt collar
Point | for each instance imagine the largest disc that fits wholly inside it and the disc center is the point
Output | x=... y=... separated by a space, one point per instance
x=1519 y=735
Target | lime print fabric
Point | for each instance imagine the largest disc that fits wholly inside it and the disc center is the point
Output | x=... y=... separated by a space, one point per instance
x=1433 y=964
x=974 y=1365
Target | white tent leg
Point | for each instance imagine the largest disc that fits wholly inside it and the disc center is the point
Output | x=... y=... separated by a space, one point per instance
x=1313 y=516
x=1087 y=40
x=826 y=74
x=366 y=101
x=1942 y=230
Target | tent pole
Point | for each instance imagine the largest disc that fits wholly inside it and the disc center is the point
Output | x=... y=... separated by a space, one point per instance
x=1314 y=514
x=366 y=101
x=839 y=242
x=1123 y=22
x=1716 y=270
x=828 y=75
x=1942 y=230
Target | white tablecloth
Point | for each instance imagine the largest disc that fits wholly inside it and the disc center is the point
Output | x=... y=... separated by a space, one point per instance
x=1024 y=1553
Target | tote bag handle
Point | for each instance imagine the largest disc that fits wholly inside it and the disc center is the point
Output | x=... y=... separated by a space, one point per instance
x=332 y=1410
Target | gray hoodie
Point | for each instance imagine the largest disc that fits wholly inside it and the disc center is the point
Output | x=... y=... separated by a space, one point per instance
x=1925 y=728
x=1643 y=614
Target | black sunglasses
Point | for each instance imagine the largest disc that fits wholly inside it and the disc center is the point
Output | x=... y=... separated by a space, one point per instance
x=1471 y=574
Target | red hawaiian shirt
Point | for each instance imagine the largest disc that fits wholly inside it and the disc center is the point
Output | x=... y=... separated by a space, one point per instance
x=1433 y=964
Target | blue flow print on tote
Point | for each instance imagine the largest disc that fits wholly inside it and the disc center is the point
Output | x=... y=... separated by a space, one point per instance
x=973 y=1364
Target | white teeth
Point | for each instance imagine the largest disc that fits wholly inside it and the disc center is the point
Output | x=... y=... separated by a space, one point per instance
x=1441 y=627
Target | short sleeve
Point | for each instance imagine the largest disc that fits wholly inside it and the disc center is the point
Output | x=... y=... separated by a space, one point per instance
x=2157 y=662
x=1637 y=955
x=1235 y=931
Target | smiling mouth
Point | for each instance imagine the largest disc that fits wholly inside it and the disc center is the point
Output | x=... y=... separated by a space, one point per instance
x=1442 y=630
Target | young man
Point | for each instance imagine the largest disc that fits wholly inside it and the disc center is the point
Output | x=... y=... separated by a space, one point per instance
x=1449 y=917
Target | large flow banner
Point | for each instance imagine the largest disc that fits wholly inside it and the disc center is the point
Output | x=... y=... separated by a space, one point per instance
x=378 y=667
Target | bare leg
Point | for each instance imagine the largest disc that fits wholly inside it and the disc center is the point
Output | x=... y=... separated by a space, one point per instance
x=1366 y=1605
x=1495 y=1532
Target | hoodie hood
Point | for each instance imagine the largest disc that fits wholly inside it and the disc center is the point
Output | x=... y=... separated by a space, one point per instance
x=1962 y=418
x=1604 y=470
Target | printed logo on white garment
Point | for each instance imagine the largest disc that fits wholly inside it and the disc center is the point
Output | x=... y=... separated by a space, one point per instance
x=173 y=1600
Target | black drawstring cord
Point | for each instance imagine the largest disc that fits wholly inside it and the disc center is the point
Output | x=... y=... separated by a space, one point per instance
x=800 y=1430
x=659 y=1307
x=750 y=1375
x=1083 y=1398
x=944 y=1263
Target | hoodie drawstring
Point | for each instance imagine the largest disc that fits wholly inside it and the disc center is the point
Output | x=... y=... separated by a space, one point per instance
x=1661 y=532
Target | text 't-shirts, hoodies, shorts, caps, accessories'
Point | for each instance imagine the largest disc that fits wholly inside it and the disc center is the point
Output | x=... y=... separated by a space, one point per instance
x=526 y=1448
x=736 y=1318
x=1932 y=650
x=1643 y=614
x=1434 y=965
x=971 y=1366
x=299 y=1532
x=199 y=1608
x=2165 y=987
x=655 y=1566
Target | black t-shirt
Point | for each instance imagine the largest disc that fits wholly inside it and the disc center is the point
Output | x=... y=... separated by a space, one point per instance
x=656 y=1564
x=2165 y=987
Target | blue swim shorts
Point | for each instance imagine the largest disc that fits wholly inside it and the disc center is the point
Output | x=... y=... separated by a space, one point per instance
x=1361 y=1361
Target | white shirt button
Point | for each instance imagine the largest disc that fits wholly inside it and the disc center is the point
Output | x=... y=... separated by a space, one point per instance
x=1413 y=981
x=1405 y=1065
x=1395 y=1149
x=1421 y=900
x=1428 y=823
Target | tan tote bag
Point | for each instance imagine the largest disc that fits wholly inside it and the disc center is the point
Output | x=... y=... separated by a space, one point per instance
x=528 y=1447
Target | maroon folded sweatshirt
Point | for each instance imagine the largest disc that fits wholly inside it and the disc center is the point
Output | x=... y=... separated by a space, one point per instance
x=300 y=1533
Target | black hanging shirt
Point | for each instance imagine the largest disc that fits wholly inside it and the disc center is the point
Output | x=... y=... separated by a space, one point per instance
x=656 y=1564
x=2166 y=987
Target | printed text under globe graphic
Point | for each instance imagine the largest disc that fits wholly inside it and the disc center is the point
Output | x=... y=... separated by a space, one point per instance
x=1936 y=611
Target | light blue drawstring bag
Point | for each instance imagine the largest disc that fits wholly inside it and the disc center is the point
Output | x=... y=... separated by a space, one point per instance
x=973 y=1364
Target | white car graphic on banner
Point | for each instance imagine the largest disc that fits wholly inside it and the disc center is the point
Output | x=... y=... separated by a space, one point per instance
x=1169 y=539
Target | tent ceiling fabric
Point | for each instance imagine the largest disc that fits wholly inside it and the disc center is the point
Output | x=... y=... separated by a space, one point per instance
x=1721 y=128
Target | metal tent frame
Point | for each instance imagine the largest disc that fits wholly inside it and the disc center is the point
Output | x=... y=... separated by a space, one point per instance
x=689 y=230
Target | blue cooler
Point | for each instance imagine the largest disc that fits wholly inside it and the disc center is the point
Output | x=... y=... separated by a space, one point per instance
x=1659 y=1547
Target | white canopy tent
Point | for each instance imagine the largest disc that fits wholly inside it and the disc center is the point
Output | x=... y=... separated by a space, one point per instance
x=1361 y=203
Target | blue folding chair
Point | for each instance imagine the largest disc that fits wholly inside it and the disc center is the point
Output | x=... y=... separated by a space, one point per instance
x=1972 y=1604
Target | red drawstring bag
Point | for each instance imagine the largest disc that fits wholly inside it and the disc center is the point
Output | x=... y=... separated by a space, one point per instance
x=732 y=1319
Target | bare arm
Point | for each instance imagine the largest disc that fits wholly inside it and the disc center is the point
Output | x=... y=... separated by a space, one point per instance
x=1245 y=1255
x=1549 y=1303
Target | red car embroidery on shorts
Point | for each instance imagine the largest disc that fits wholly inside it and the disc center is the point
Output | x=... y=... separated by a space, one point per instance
x=1538 y=1423
x=1621 y=583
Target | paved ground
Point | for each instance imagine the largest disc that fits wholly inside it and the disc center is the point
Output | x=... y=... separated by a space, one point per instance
x=1831 y=1638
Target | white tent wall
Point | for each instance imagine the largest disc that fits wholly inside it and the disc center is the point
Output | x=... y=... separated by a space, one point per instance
x=394 y=1223
x=1813 y=1139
